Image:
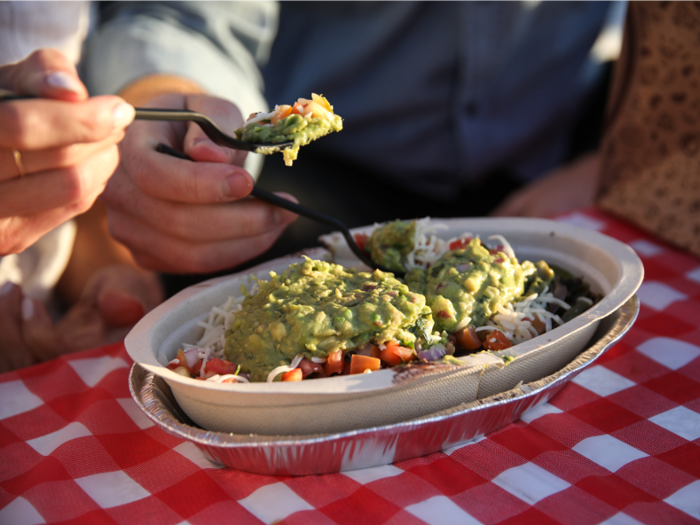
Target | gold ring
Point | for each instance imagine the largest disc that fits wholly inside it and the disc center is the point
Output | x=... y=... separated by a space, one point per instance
x=18 y=160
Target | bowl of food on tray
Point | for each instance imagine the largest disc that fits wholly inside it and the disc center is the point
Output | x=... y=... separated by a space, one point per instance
x=316 y=343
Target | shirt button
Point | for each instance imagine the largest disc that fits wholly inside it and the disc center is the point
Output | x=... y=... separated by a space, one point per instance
x=472 y=108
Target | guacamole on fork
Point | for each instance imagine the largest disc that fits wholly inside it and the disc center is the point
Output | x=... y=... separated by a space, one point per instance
x=301 y=123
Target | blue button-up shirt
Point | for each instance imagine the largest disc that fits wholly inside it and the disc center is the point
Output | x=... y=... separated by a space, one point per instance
x=434 y=95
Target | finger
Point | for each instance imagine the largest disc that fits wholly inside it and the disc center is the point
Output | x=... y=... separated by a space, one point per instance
x=57 y=188
x=14 y=353
x=45 y=73
x=165 y=177
x=190 y=222
x=200 y=148
x=39 y=124
x=38 y=331
x=122 y=294
x=18 y=233
x=52 y=158
x=119 y=308
x=227 y=116
x=157 y=251
x=81 y=328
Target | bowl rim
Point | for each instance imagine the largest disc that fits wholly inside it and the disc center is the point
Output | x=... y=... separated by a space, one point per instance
x=627 y=315
x=631 y=273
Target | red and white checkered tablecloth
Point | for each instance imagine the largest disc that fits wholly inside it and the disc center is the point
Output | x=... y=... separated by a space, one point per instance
x=618 y=445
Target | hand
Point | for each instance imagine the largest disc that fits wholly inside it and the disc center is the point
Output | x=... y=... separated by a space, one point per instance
x=188 y=217
x=562 y=190
x=113 y=301
x=65 y=143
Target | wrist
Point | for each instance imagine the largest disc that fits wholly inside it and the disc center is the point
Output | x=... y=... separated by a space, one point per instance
x=140 y=91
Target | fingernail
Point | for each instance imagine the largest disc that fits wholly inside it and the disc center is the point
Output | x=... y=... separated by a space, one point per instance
x=27 y=309
x=236 y=185
x=122 y=115
x=65 y=81
x=6 y=288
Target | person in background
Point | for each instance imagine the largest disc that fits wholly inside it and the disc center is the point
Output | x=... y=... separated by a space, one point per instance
x=56 y=155
x=449 y=108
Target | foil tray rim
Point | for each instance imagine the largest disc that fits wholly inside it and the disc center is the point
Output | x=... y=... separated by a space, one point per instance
x=145 y=393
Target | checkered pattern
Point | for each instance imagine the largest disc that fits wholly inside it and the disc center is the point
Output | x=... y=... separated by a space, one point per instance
x=618 y=445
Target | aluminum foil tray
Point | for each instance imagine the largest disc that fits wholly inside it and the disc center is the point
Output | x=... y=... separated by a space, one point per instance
x=369 y=447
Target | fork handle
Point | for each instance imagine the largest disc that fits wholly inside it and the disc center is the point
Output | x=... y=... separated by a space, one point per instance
x=208 y=126
x=272 y=198
x=183 y=115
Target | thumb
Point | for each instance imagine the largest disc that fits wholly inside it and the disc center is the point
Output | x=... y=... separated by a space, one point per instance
x=227 y=116
x=119 y=308
x=122 y=294
x=46 y=73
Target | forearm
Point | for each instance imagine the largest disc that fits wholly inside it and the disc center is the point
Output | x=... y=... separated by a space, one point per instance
x=216 y=46
x=145 y=88
x=93 y=250
x=562 y=190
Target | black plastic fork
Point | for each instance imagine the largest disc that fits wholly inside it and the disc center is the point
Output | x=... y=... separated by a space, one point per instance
x=210 y=128
x=222 y=139
x=276 y=200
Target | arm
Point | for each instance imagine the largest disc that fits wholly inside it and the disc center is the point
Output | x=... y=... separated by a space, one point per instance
x=106 y=291
x=170 y=212
x=564 y=189
x=216 y=46
x=56 y=152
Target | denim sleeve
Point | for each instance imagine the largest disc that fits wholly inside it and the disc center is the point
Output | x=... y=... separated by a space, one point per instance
x=219 y=45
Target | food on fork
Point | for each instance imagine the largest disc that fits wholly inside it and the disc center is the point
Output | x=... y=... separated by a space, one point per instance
x=303 y=122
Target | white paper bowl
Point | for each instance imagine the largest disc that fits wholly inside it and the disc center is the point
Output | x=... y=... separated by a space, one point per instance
x=345 y=403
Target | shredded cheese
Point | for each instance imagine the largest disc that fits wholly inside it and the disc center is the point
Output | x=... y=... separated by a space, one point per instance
x=284 y=368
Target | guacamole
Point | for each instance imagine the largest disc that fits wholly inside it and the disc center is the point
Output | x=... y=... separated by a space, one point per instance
x=305 y=121
x=315 y=308
x=470 y=282
x=388 y=244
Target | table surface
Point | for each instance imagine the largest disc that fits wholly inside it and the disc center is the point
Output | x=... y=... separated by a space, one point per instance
x=620 y=444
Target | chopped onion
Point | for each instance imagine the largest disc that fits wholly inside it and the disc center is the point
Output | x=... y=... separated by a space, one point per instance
x=192 y=356
x=434 y=353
